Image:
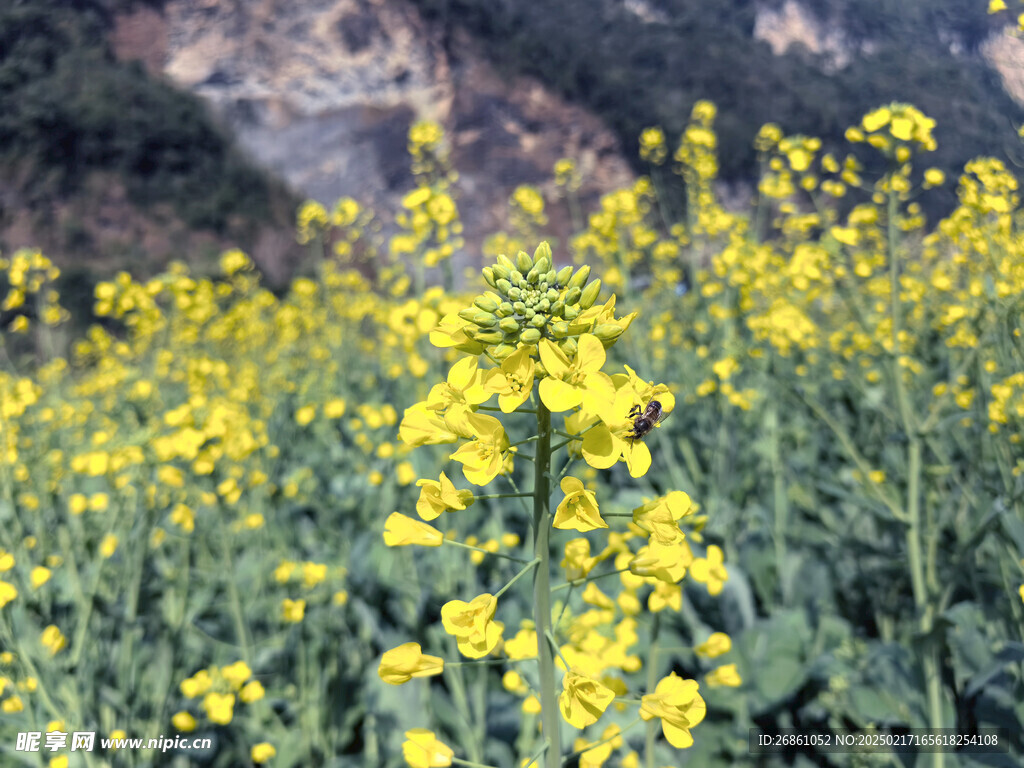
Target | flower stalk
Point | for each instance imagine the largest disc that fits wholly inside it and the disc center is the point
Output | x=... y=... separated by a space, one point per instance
x=542 y=589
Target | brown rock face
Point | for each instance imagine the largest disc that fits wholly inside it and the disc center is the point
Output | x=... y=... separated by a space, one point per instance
x=323 y=92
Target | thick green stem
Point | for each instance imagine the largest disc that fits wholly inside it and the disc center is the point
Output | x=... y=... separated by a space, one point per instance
x=915 y=532
x=542 y=589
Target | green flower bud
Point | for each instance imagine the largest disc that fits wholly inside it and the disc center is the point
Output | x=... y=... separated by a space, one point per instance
x=557 y=308
x=590 y=295
x=551 y=294
x=489 y=337
x=570 y=313
x=563 y=275
x=539 y=321
x=506 y=263
x=488 y=274
x=549 y=278
x=515 y=294
x=503 y=285
x=519 y=307
x=560 y=329
x=568 y=347
x=529 y=313
x=530 y=336
x=542 y=265
x=500 y=271
x=505 y=309
x=523 y=262
x=503 y=350
x=542 y=286
x=533 y=276
x=607 y=332
x=467 y=314
x=580 y=278
x=486 y=303
x=543 y=305
x=543 y=250
x=509 y=324
x=523 y=284
x=485 y=319
x=573 y=296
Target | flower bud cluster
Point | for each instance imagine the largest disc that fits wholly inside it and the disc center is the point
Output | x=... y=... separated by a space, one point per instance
x=531 y=301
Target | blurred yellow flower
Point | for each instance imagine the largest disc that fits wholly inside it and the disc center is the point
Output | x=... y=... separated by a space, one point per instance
x=401 y=664
x=422 y=749
x=262 y=752
x=402 y=531
x=184 y=722
x=293 y=611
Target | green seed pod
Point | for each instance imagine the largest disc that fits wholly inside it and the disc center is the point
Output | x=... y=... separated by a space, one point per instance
x=539 y=321
x=589 y=295
x=543 y=251
x=569 y=347
x=563 y=275
x=509 y=324
x=506 y=263
x=557 y=308
x=560 y=329
x=485 y=319
x=572 y=296
x=515 y=294
x=503 y=285
x=500 y=271
x=580 y=278
x=519 y=307
x=530 y=313
x=488 y=274
x=488 y=337
x=570 y=313
x=607 y=332
x=505 y=309
x=523 y=262
x=486 y=303
x=530 y=336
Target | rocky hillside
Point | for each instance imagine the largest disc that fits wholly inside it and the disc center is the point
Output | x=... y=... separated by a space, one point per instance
x=322 y=93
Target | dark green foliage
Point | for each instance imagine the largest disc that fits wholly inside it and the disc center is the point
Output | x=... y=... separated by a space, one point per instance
x=68 y=108
x=636 y=73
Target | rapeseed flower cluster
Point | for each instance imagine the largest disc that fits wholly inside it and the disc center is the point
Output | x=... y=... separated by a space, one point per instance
x=539 y=341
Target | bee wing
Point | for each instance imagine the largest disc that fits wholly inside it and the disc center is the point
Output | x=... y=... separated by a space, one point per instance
x=662 y=417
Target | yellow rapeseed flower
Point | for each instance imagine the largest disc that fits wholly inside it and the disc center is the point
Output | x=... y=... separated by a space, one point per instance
x=401 y=664
x=678 y=705
x=262 y=752
x=583 y=700
x=473 y=625
x=403 y=531
x=422 y=749
x=578 y=510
